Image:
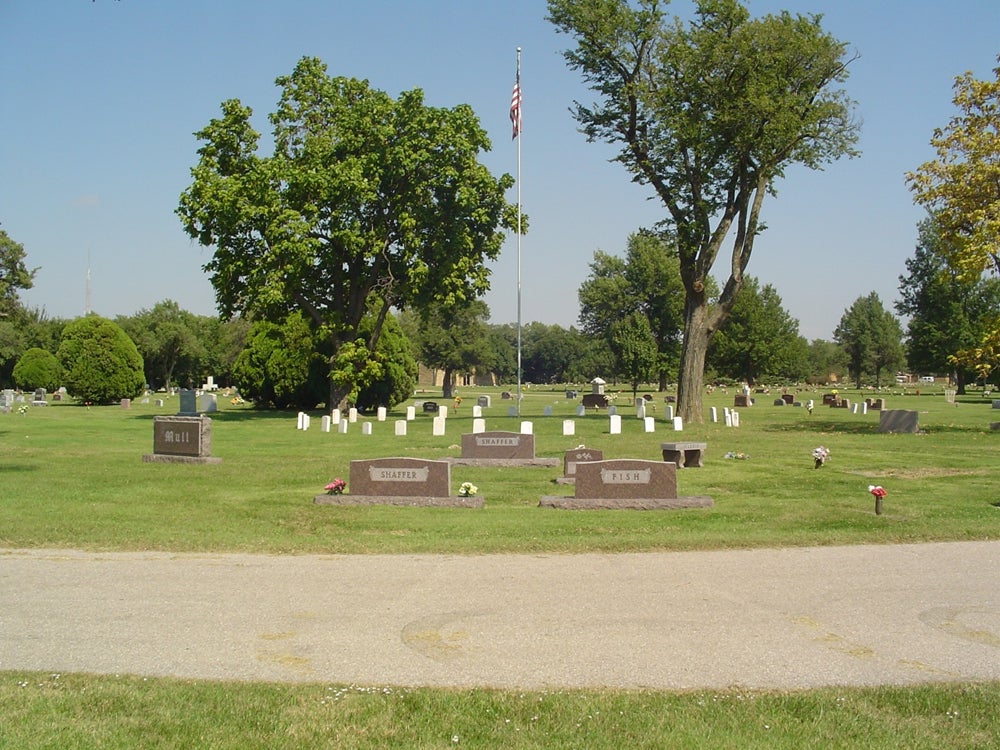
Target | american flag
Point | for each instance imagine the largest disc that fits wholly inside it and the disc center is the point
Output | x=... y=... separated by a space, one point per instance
x=515 y=108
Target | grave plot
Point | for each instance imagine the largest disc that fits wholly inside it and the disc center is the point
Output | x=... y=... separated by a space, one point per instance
x=625 y=484
x=400 y=481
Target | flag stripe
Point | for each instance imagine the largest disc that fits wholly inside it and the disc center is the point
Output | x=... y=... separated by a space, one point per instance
x=515 y=109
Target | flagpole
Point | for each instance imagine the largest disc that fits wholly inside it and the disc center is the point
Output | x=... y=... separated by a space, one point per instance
x=518 y=139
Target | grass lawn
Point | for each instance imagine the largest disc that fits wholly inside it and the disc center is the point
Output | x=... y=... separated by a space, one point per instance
x=80 y=711
x=73 y=477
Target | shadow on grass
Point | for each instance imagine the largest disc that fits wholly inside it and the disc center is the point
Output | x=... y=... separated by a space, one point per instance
x=7 y=467
x=243 y=415
x=819 y=425
x=870 y=429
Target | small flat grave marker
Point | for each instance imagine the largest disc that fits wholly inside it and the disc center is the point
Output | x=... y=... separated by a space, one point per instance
x=898 y=420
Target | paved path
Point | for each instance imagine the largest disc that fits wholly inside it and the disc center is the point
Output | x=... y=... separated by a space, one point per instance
x=785 y=618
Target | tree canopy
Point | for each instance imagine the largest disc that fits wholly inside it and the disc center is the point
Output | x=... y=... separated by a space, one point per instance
x=709 y=114
x=14 y=275
x=759 y=339
x=961 y=186
x=872 y=338
x=366 y=199
x=100 y=362
x=961 y=189
x=948 y=310
x=646 y=281
x=453 y=338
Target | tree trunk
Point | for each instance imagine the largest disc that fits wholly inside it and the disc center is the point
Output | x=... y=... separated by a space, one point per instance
x=338 y=397
x=690 y=382
x=959 y=382
x=446 y=385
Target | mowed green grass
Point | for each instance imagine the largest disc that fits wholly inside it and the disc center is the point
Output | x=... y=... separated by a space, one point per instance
x=73 y=476
x=122 y=713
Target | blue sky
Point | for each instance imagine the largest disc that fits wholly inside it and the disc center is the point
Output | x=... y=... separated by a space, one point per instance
x=99 y=101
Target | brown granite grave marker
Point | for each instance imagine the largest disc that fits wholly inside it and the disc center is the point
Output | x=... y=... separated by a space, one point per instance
x=182 y=440
x=498 y=445
x=625 y=483
x=576 y=455
x=399 y=481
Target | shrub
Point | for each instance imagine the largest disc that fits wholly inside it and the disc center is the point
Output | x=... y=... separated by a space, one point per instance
x=101 y=363
x=37 y=368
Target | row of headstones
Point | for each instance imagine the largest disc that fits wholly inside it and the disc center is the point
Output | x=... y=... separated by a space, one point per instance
x=730 y=416
x=9 y=397
x=327 y=423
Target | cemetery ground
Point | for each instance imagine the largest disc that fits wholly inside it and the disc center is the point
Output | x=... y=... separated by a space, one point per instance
x=73 y=478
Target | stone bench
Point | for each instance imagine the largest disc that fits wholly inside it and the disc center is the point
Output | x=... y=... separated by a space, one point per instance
x=684 y=454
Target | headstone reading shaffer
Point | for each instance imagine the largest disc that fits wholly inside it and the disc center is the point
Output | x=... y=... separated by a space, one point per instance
x=495 y=448
x=399 y=481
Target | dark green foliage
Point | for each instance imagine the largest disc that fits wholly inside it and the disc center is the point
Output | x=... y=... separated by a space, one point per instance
x=37 y=368
x=760 y=340
x=872 y=339
x=366 y=200
x=453 y=338
x=948 y=311
x=100 y=362
x=646 y=281
x=634 y=349
x=398 y=375
x=279 y=366
x=14 y=275
x=167 y=340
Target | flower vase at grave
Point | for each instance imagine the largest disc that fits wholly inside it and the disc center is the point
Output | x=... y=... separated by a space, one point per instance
x=819 y=462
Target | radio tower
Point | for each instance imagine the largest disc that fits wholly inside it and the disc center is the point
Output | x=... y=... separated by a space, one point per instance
x=86 y=302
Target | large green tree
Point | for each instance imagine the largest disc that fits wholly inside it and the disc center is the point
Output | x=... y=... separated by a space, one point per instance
x=872 y=338
x=453 y=338
x=634 y=349
x=100 y=362
x=709 y=114
x=166 y=337
x=14 y=275
x=948 y=311
x=759 y=339
x=646 y=281
x=365 y=200
x=37 y=368
x=961 y=186
x=961 y=189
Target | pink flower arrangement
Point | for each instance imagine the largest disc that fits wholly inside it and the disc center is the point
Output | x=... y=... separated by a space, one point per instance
x=877 y=490
x=336 y=487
